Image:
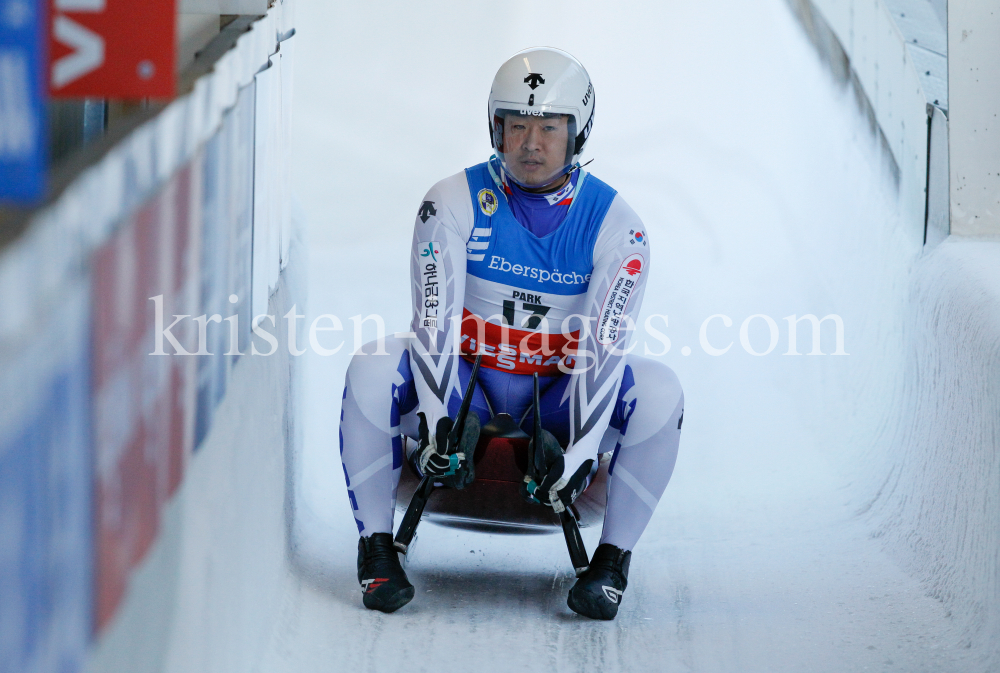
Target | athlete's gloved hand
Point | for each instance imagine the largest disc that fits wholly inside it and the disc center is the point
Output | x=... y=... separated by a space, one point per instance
x=551 y=487
x=448 y=463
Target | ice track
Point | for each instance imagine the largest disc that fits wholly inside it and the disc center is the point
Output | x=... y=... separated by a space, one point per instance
x=763 y=193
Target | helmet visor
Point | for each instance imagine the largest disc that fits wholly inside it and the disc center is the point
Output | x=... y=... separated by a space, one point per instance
x=536 y=144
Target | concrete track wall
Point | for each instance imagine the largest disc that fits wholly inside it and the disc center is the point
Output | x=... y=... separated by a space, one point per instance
x=894 y=52
x=938 y=455
x=927 y=407
x=208 y=595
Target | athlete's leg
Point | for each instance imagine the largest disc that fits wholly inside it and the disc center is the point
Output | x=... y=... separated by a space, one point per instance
x=380 y=406
x=378 y=393
x=644 y=434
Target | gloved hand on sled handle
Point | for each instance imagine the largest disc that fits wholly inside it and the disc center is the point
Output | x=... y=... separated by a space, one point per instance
x=545 y=483
x=556 y=490
x=446 y=461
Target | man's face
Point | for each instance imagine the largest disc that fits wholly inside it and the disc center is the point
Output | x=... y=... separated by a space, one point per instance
x=536 y=147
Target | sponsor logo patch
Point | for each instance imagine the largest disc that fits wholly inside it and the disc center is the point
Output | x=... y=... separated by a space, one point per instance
x=519 y=351
x=611 y=593
x=430 y=249
x=617 y=299
x=488 y=202
x=433 y=277
x=534 y=79
x=541 y=275
x=368 y=586
x=426 y=211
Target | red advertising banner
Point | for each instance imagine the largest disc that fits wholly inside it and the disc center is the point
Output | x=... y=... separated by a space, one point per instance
x=112 y=48
x=143 y=404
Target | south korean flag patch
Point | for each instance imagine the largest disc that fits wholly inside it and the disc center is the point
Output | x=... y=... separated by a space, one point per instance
x=636 y=237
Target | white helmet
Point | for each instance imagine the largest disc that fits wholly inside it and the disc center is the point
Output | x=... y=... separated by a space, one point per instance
x=540 y=82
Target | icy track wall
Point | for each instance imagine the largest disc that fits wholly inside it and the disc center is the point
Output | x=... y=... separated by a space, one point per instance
x=927 y=413
x=142 y=496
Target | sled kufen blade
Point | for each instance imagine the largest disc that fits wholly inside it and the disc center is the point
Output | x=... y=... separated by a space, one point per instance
x=571 y=529
x=463 y=410
x=574 y=542
x=537 y=454
x=408 y=527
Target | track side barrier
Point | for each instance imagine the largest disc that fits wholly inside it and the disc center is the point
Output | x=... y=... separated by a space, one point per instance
x=129 y=472
x=894 y=55
x=928 y=410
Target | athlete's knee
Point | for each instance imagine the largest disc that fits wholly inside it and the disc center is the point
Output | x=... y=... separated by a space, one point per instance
x=368 y=363
x=656 y=381
x=658 y=400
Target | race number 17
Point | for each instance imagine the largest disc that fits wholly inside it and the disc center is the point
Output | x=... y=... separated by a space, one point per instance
x=537 y=312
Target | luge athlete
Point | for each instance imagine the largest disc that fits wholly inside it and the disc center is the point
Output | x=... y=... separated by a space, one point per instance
x=538 y=265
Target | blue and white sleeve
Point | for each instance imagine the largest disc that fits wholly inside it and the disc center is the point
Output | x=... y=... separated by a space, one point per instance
x=621 y=264
x=437 y=278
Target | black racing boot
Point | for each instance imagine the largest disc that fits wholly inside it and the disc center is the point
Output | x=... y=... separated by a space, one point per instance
x=598 y=592
x=383 y=583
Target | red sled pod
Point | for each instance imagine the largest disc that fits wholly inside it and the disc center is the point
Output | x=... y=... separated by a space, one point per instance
x=493 y=503
x=504 y=458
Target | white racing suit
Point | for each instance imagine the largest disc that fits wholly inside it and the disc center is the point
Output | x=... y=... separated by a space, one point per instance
x=558 y=305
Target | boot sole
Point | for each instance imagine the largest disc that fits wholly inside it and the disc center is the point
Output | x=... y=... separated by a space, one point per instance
x=391 y=604
x=588 y=606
